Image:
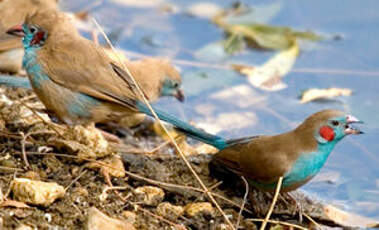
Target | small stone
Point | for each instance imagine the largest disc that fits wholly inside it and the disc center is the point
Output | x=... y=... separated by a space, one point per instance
x=97 y=220
x=112 y=166
x=32 y=175
x=85 y=142
x=36 y=192
x=22 y=213
x=194 y=209
x=130 y=217
x=149 y=195
x=169 y=211
x=24 y=227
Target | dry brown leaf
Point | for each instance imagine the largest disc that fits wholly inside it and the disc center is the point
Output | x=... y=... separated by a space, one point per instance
x=14 y=203
x=111 y=165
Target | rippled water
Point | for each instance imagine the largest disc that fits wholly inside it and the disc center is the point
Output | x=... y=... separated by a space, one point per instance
x=223 y=101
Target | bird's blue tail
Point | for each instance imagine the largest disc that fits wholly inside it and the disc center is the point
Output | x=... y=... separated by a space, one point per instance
x=182 y=126
x=18 y=82
x=187 y=129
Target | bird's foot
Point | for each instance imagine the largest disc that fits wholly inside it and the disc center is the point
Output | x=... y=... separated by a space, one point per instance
x=110 y=137
x=298 y=206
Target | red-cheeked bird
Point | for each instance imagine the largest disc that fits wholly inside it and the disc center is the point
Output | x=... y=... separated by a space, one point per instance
x=78 y=81
x=13 y=12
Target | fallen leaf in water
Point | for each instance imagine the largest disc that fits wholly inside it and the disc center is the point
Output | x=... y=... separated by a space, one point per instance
x=258 y=35
x=234 y=44
x=203 y=10
x=269 y=75
x=348 y=219
x=317 y=94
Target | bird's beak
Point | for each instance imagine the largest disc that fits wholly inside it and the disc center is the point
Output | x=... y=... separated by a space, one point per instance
x=349 y=128
x=351 y=119
x=352 y=130
x=179 y=95
x=16 y=30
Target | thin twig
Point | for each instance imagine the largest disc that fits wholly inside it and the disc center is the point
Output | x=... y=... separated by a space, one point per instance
x=312 y=220
x=24 y=157
x=181 y=154
x=243 y=202
x=10 y=168
x=136 y=206
x=279 y=222
x=76 y=179
x=277 y=190
x=24 y=137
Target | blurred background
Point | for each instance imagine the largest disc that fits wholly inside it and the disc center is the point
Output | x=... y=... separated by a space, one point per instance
x=238 y=84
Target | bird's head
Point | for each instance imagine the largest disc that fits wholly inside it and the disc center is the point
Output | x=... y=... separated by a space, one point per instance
x=40 y=26
x=330 y=125
x=172 y=87
x=170 y=80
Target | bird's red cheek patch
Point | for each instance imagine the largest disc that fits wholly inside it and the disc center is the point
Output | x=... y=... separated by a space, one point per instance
x=37 y=38
x=327 y=133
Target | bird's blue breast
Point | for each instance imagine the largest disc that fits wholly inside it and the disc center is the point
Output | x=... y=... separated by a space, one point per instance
x=77 y=105
x=308 y=165
x=304 y=168
x=29 y=62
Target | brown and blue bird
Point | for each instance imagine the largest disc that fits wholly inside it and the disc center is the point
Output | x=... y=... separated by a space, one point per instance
x=77 y=80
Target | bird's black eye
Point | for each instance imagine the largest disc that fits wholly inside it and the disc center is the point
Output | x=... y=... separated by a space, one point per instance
x=176 y=85
x=335 y=123
x=32 y=30
x=347 y=126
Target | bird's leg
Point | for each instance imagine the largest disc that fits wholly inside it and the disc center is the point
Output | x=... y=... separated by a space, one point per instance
x=110 y=137
x=298 y=206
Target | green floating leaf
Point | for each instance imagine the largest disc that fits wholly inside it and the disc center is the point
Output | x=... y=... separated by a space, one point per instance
x=257 y=35
x=270 y=37
x=234 y=44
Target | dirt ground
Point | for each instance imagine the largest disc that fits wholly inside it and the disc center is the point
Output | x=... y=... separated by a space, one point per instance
x=85 y=185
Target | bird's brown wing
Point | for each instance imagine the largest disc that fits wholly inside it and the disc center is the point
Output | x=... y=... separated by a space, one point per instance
x=82 y=66
x=261 y=159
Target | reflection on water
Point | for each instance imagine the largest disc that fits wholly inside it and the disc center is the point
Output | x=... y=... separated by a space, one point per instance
x=351 y=176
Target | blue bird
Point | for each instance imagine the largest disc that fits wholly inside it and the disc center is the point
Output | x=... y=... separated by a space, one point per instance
x=77 y=80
